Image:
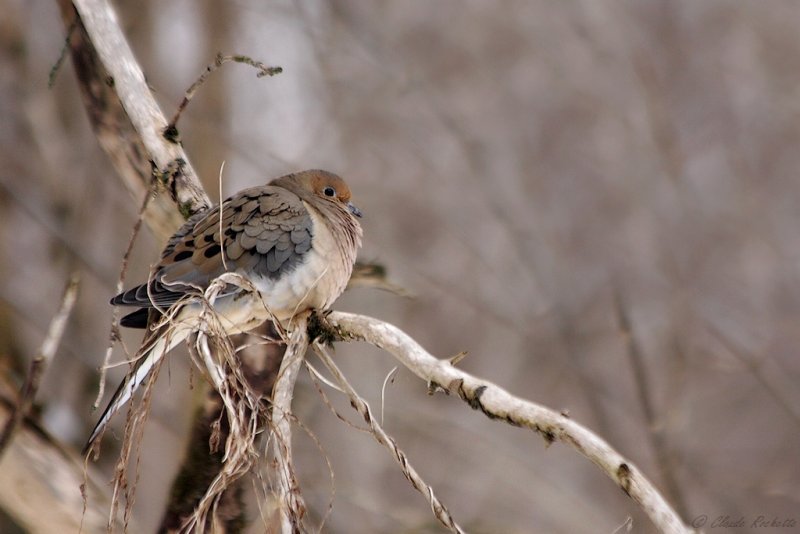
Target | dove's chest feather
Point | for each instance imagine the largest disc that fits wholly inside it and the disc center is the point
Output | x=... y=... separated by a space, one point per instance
x=316 y=281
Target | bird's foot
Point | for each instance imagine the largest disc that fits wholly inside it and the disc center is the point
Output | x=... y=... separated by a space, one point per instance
x=320 y=329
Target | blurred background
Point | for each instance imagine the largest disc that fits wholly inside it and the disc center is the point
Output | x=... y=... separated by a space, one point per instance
x=598 y=200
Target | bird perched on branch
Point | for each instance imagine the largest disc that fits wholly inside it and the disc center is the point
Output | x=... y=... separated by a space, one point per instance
x=295 y=240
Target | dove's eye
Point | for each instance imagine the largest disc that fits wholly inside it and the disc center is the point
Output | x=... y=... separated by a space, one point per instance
x=329 y=192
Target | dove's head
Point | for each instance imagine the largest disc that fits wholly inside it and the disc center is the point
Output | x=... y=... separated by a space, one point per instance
x=321 y=187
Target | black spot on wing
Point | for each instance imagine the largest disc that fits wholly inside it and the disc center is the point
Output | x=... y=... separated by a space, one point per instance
x=211 y=251
x=183 y=232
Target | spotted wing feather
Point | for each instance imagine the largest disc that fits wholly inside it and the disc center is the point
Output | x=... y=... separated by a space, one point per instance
x=266 y=231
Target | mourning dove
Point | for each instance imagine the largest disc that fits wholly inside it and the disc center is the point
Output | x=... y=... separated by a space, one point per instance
x=295 y=240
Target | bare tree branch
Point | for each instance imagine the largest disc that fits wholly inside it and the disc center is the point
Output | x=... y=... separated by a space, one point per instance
x=263 y=70
x=130 y=86
x=40 y=362
x=128 y=123
x=34 y=468
x=496 y=403
x=44 y=487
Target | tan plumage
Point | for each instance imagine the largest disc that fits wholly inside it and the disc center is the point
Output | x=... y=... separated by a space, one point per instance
x=296 y=241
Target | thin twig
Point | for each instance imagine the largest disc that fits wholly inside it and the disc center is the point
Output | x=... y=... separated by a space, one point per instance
x=114 y=335
x=498 y=404
x=316 y=378
x=54 y=70
x=380 y=435
x=389 y=377
x=131 y=445
x=40 y=362
x=754 y=366
x=220 y=210
x=263 y=70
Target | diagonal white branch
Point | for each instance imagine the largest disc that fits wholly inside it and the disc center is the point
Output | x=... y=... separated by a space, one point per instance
x=497 y=403
x=130 y=85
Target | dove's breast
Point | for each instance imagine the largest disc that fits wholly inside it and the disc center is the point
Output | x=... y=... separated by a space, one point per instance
x=315 y=281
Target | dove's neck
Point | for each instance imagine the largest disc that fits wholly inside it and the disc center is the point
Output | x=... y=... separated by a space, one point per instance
x=345 y=230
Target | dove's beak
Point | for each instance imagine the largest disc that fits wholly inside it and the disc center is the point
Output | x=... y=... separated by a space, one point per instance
x=354 y=210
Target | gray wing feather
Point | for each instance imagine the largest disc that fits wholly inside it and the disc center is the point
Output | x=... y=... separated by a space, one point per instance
x=266 y=231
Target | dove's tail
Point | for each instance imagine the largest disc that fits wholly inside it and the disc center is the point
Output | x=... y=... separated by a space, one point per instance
x=147 y=358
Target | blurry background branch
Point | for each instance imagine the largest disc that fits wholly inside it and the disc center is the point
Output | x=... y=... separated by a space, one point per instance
x=45 y=487
x=41 y=482
x=39 y=363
